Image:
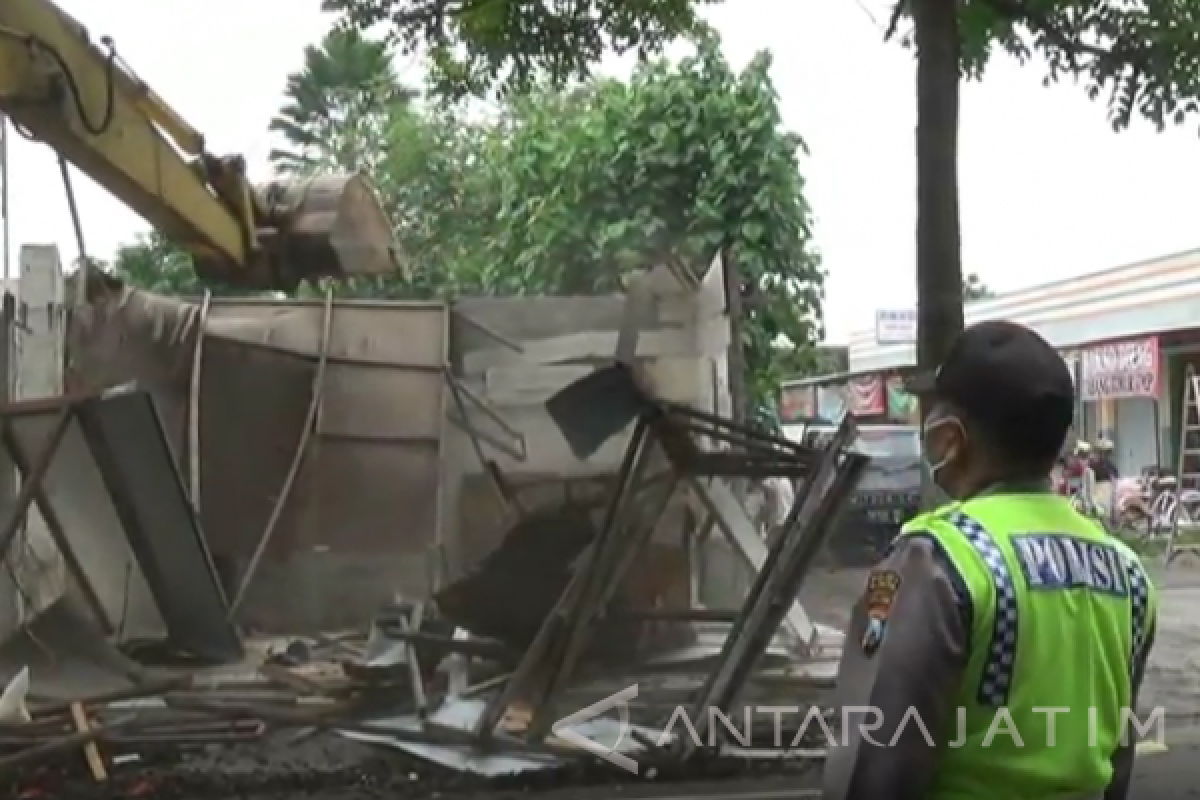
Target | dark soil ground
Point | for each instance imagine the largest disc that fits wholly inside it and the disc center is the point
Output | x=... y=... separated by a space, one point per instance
x=333 y=768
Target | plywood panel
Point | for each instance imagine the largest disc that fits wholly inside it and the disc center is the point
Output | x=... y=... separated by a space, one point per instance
x=527 y=318
x=707 y=340
x=380 y=402
x=528 y=385
x=402 y=334
x=546 y=449
x=253 y=404
x=372 y=498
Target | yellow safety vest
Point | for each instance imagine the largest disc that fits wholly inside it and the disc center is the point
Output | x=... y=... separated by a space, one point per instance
x=1059 y=613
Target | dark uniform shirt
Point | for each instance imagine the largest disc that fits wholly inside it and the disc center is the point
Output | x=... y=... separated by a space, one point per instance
x=918 y=665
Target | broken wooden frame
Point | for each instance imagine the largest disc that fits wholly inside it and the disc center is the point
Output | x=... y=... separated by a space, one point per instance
x=133 y=516
x=697 y=446
x=773 y=593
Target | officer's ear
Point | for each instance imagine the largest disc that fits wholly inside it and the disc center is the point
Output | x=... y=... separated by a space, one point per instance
x=957 y=433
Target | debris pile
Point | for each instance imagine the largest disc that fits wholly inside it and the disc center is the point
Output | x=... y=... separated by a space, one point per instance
x=505 y=677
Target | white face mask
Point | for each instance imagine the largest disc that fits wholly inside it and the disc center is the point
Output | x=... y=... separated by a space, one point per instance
x=936 y=467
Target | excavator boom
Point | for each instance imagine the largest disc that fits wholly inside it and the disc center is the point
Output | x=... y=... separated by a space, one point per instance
x=59 y=87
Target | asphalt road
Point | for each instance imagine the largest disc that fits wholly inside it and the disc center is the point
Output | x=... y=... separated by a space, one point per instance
x=1166 y=775
x=1174 y=772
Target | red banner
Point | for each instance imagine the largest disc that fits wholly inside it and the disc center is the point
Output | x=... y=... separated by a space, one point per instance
x=1121 y=369
x=865 y=395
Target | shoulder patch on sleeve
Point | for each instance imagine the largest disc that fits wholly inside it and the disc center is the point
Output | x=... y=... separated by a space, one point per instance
x=880 y=596
x=882 y=586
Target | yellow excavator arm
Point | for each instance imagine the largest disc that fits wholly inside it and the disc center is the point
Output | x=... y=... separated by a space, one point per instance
x=59 y=87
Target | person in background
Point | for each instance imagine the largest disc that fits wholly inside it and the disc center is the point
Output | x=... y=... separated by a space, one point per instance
x=1077 y=464
x=995 y=608
x=1104 y=477
x=1078 y=475
x=777 y=492
x=1102 y=462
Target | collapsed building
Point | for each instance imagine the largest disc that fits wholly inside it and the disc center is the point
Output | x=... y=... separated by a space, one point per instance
x=532 y=498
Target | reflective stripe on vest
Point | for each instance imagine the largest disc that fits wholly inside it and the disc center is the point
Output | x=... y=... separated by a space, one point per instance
x=997 y=677
x=1139 y=594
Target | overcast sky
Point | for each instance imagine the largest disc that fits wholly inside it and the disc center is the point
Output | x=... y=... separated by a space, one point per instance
x=1048 y=190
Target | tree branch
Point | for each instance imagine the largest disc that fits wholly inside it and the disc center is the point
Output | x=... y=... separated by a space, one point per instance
x=898 y=11
x=1018 y=11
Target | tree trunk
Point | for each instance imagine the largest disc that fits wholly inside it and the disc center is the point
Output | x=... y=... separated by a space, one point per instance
x=739 y=395
x=939 y=268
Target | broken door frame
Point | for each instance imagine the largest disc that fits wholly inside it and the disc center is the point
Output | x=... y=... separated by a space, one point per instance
x=678 y=432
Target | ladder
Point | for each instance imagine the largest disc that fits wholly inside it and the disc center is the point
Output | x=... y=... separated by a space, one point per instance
x=1187 y=465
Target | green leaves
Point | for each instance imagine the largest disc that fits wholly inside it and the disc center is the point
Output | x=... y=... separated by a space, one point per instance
x=157 y=265
x=338 y=107
x=567 y=191
x=473 y=45
x=1142 y=56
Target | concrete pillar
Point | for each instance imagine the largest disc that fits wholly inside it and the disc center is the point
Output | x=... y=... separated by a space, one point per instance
x=42 y=338
x=37 y=357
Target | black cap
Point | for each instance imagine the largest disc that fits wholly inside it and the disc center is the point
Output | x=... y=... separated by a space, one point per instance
x=1009 y=381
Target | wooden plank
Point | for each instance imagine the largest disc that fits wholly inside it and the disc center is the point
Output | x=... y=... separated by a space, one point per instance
x=90 y=750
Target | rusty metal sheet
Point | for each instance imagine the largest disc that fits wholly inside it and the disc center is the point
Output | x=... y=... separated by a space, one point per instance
x=381 y=403
x=129 y=447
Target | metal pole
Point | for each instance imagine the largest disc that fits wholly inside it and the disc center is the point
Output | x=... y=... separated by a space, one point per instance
x=4 y=199
x=81 y=289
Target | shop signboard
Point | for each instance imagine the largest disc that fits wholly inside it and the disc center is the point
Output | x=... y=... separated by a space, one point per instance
x=895 y=327
x=1120 y=369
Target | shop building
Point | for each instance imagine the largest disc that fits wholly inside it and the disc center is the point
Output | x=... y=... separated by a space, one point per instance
x=1128 y=334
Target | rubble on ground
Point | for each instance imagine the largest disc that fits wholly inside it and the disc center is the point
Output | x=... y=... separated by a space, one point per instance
x=139 y=682
x=463 y=691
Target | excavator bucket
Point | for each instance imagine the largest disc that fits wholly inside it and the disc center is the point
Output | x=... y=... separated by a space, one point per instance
x=329 y=226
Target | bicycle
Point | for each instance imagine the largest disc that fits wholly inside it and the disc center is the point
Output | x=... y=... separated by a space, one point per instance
x=1146 y=507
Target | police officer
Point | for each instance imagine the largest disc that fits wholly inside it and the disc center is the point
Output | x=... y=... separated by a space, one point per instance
x=1001 y=642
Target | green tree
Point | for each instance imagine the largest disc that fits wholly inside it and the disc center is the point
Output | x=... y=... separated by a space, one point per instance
x=338 y=106
x=973 y=288
x=154 y=263
x=473 y=44
x=567 y=191
x=1143 y=56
